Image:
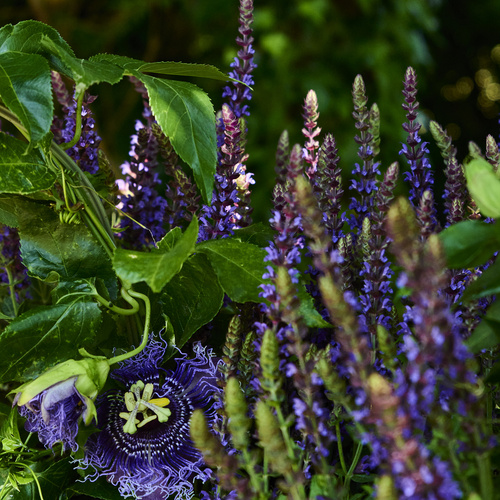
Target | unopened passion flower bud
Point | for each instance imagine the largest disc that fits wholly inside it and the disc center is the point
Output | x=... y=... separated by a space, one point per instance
x=54 y=403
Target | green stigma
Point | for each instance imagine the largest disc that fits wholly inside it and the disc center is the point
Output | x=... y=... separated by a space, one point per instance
x=142 y=408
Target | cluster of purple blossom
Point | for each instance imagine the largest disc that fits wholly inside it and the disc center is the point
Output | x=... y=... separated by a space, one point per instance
x=368 y=371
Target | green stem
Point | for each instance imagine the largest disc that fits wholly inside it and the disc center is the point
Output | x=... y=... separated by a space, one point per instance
x=116 y=309
x=78 y=124
x=340 y=448
x=127 y=295
x=354 y=463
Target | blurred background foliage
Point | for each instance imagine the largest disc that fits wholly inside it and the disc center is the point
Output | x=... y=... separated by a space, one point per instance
x=300 y=44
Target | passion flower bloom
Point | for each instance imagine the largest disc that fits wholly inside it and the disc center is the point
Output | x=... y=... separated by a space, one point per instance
x=144 y=446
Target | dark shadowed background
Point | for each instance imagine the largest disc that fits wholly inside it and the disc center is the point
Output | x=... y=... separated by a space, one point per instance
x=454 y=45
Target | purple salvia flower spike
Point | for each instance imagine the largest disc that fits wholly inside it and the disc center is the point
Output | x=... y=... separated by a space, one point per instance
x=420 y=177
x=180 y=192
x=311 y=131
x=85 y=151
x=327 y=187
x=140 y=198
x=282 y=158
x=364 y=182
x=243 y=64
x=492 y=152
x=377 y=272
x=454 y=196
x=12 y=271
x=225 y=213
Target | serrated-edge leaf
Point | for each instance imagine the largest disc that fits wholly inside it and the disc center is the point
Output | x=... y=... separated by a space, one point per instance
x=26 y=36
x=184 y=69
x=233 y=258
x=160 y=266
x=186 y=116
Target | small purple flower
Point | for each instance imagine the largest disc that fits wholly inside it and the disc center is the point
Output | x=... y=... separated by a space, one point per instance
x=54 y=414
x=144 y=446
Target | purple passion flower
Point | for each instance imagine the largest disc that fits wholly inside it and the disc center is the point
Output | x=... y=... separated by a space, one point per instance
x=144 y=446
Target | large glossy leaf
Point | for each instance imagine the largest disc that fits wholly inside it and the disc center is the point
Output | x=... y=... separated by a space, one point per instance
x=25 y=88
x=157 y=267
x=52 y=250
x=470 y=243
x=27 y=37
x=85 y=72
x=238 y=265
x=183 y=111
x=484 y=186
x=186 y=116
x=22 y=171
x=44 y=336
x=192 y=298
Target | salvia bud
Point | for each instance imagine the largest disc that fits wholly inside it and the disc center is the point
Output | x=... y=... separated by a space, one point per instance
x=206 y=442
x=270 y=362
x=236 y=410
x=271 y=439
x=386 y=489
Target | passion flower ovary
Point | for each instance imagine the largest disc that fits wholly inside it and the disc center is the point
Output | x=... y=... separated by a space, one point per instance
x=143 y=405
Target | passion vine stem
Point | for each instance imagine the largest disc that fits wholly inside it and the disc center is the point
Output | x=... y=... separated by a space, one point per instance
x=94 y=213
x=129 y=295
x=78 y=122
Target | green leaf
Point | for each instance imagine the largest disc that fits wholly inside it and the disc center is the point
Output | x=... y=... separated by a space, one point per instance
x=238 y=265
x=25 y=88
x=259 y=234
x=488 y=283
x=470 y=243
x=487 y=333
x=9 y=433
x=157 y=267
x=22 y=172
x=44 y=336
x=192 y=298
x=50 y=248
x=184 y=113
x=101 y=489
x=27 y=37
x=85 y=73
x=484 y=186
x=309 y=313
x=53 y=478
x=186 y=116
x=184 y=69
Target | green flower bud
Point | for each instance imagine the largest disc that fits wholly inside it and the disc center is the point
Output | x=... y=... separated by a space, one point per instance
x=236 y=409
x=271 y=439
x=386 y=489
x=89 y=377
